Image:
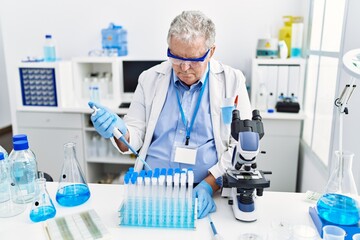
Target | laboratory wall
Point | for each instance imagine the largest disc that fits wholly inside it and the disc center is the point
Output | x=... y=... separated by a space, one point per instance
x=315 y=174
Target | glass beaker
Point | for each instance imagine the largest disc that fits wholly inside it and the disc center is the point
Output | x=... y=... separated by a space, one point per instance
x=42 y=207
x=337 y=205
x=8 y=206
x=73 y=189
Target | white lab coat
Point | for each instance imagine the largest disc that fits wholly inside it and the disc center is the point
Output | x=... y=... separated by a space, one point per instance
x=150 y=95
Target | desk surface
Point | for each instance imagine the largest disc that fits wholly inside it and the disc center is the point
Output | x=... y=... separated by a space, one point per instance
x=276 y=210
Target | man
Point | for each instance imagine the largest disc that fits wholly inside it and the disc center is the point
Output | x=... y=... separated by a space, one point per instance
x=175 y=116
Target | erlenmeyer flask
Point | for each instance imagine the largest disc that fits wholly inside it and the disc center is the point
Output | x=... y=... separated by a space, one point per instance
x=8 y=206
x=73 y=189
x=337 y=205
x=42 y=207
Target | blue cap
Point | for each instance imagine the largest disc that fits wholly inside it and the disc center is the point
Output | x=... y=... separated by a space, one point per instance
x=170 y=172
x=149 y=173
x=2 y=156
x=131 y=169
x=177 y=170
x=270 y=110
x=163 y=171
x=21 y=145
x=190 y=169
x=142 y=173
x=47 y=36
x=127 y=178
x=19 y=137
x=156 y=173
x=134 y=177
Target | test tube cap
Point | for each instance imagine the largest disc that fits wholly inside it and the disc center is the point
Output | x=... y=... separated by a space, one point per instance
x=170 y=172
x=163 y=171
x=2 y=156
x=157 y=172
x=134 y=177
x=149 y=173
x=142 y=173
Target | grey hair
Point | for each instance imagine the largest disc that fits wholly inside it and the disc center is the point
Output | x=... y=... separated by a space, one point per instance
x=190 y=25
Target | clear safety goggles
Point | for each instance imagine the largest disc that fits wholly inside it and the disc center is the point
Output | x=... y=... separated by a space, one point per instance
x=192 y=62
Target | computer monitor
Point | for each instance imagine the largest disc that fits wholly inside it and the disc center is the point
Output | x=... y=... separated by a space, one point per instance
x=131 y=70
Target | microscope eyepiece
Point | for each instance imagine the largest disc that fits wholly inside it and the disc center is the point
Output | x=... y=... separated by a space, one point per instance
x=256 y=115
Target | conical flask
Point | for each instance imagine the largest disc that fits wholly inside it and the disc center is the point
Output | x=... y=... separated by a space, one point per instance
x=73 y=189
x=42 y=207
x=337 y=205
x=8 y=206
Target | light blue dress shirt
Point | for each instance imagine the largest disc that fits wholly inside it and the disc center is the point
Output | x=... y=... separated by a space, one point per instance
x=170 y=131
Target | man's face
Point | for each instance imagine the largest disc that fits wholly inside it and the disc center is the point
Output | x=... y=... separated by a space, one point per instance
x=190 y=72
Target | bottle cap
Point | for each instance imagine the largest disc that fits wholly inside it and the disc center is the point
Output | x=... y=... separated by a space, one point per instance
x=2 y=156
x=19 y=137
x=21 y=145
x=47 y=36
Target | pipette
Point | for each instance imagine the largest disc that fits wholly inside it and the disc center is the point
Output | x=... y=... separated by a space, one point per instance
x=121 y=137
x=216 y=234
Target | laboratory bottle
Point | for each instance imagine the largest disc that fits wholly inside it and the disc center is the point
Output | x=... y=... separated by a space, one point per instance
x=271 y=102
x=4 y=151
x=285 y=32
x=73 y=189
x=23 y=170
x=42 y=207
x=297 y=29
x=339 y=205
x=49 y=49
x=8 y=207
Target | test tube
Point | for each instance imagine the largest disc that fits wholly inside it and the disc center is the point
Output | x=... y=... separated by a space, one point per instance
x=175 y=199
x=132 y=198
x=182 y=198
x=126 y=205
x=147 y=197
x=154 y=195
x=190 y=209
x=169 y=181
x=161 y=193
x=140 y=197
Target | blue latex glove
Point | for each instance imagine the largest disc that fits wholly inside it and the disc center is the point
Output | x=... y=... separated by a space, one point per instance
x=104 y=121
x=203 y=191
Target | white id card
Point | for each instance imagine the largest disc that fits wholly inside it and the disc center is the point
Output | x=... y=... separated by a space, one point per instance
x=185 y=155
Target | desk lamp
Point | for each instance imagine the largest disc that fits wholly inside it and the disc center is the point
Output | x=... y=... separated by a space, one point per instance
x=336 y=206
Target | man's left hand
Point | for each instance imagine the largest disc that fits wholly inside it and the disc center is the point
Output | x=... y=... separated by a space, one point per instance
x=203 y=191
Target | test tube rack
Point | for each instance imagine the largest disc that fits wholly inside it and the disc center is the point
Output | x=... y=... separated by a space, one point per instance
x=161 y=198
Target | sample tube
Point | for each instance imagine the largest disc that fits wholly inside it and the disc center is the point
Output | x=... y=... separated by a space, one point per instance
x=175 y=197
x=154 y=196
x=161 y=193
x=126 y=204
x=182 y=198
x=132 y=198
x=147 y=197
x=140 y=197
x=169 y=188
x=190 y=208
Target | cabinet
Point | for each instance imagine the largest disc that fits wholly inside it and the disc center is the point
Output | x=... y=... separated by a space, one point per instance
x=97 y=76
x=274 y=78
x=47 y=133
x=271 y=79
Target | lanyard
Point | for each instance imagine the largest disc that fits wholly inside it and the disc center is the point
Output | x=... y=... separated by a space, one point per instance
x=183 y=117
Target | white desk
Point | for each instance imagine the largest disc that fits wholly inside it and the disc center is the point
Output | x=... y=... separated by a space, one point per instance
x=273 y=208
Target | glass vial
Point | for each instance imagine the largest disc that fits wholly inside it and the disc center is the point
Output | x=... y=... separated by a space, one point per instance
x=42 y=207
x=8 y=207
x=337 y=205
x=73 y=189
x=49 y=49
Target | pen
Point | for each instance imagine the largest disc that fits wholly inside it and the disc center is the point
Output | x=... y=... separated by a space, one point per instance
x=216 y=234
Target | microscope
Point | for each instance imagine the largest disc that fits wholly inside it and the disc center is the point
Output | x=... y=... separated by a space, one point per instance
x=243 y=179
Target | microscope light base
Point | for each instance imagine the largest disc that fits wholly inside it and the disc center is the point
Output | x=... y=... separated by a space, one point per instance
x=243 y=216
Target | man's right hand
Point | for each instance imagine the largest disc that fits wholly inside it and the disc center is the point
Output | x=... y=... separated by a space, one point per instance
x=104 y=121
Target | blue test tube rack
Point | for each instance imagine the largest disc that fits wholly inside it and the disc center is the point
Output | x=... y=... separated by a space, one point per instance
x=161 y=198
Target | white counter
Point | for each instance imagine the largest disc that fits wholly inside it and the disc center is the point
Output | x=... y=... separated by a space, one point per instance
x=274 y=208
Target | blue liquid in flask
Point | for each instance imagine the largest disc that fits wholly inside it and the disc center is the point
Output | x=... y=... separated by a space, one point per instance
x=42 y=213
x=73 y=195
x=338 y=209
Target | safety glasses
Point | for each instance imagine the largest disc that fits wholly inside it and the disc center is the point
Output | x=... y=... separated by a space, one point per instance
x=193 y=62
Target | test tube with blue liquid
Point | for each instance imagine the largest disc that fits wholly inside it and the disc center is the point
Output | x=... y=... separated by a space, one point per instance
x=155 y=196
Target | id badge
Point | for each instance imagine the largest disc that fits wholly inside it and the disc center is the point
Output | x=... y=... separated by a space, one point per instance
x=185 y=155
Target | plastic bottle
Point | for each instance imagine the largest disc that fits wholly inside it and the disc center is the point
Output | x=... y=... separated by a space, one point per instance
x=271 y=102
x=23 y=170
x=49 y=49
x=286 y=32
x=283 y=50
x=6 y=155
x=261 y=100
x=4 y=170
x=297 y=30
